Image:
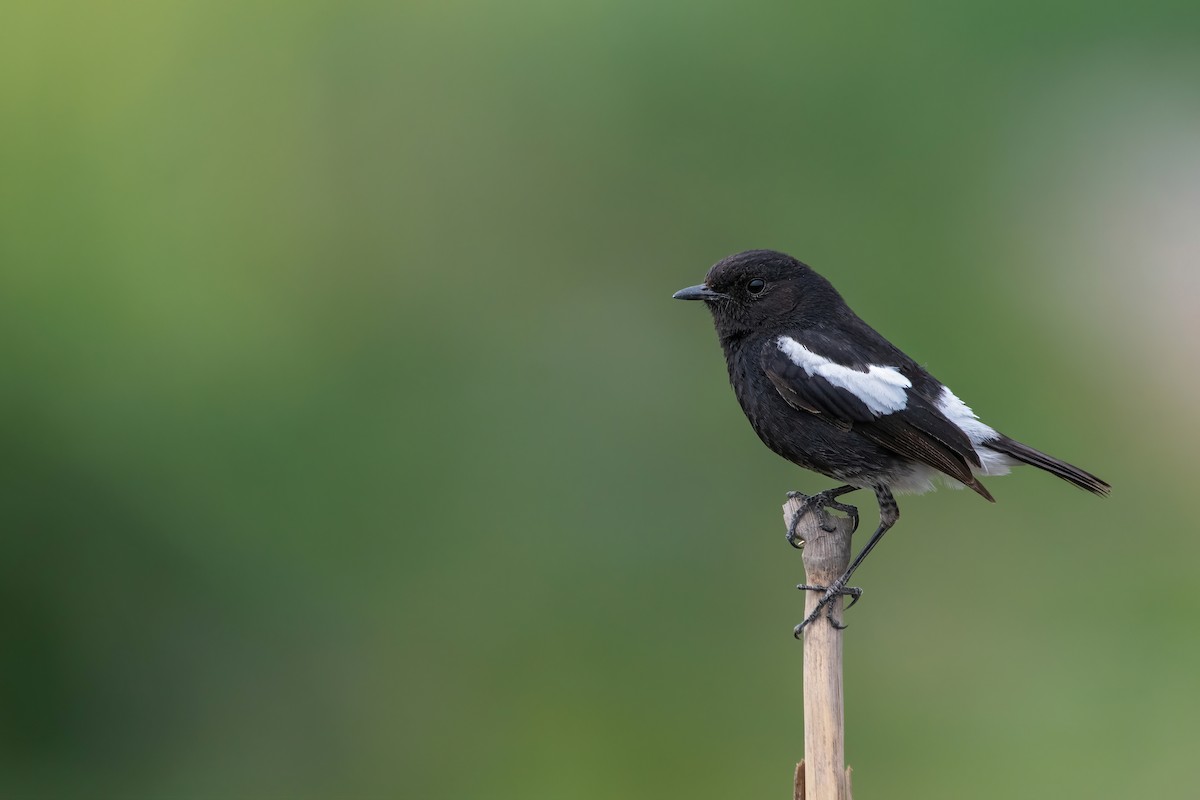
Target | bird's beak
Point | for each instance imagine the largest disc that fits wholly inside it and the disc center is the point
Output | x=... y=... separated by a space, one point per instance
x=700 y=292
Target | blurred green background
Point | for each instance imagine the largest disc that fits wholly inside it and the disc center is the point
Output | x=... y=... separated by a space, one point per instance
x=353 y=447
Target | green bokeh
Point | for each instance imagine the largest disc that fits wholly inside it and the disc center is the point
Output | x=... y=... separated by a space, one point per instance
x=352 y=447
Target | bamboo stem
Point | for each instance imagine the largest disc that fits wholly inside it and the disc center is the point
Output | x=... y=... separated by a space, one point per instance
x=826 y=557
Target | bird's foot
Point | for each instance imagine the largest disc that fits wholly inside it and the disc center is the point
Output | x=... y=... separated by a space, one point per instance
x=818 y=503
x=826 y=602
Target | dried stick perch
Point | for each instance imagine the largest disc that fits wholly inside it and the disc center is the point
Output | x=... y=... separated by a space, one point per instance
x=823 y=774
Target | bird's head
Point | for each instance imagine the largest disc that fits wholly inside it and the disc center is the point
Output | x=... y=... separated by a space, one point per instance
x=762 y=290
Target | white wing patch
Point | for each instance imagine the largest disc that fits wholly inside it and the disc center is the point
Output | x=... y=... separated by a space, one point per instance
x=961 y=415
x=881 y=389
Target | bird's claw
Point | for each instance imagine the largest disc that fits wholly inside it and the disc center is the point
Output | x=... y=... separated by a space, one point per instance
x=826 y=602
x=817 y=502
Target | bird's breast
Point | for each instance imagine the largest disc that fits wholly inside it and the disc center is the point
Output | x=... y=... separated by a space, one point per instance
x=775 y=422
x=802 y=437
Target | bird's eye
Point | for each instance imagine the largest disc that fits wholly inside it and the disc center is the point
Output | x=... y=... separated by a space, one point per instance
x=756 y=285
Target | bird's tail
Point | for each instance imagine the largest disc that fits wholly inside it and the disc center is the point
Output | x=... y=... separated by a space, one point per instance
x=1068 y=472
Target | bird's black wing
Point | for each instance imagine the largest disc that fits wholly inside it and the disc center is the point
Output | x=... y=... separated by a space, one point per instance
x=876 y=401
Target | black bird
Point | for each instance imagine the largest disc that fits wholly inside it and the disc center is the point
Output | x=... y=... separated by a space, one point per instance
x=827 y=392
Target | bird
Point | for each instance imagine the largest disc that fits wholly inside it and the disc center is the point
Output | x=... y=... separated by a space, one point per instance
x=827 y=392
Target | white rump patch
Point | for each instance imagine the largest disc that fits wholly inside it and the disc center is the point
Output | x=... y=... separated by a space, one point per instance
x=960 y=414
x=881 y=389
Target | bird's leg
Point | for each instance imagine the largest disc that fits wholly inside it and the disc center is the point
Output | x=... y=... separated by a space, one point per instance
x=889 y=512
x=818 y=503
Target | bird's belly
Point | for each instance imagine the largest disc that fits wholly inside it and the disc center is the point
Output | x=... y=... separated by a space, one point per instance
x=811 y=442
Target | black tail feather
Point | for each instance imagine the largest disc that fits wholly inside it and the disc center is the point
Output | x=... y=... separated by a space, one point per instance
x=1036 y=458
